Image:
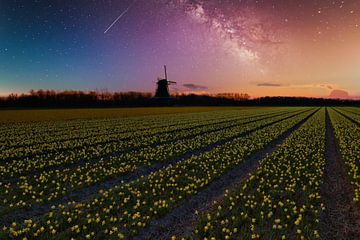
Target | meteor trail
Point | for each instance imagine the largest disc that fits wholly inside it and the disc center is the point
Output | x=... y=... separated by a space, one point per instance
x=120 y=16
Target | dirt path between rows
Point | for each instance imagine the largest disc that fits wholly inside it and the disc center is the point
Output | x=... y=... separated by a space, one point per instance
x=181 y=220
x=90 y=192
x=349 y=111
x=347 y=117
x=82 y=162
x=99 y=133
x=341 y=218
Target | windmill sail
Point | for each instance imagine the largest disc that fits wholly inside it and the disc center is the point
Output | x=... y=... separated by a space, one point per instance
x=162 y=90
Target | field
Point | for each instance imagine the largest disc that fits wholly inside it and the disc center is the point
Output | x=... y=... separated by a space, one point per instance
x=11 y=116
x=180 y=173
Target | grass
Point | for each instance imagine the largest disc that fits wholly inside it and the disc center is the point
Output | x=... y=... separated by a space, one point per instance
x=36 y=115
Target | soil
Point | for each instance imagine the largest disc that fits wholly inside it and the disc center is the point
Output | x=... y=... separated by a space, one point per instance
x=86 y=193
x=181 y=220
x=341 y=218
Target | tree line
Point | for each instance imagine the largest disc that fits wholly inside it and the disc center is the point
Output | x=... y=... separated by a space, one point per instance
x=73 y=99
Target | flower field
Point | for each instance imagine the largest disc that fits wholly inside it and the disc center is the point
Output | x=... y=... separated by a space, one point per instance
x=118 y=177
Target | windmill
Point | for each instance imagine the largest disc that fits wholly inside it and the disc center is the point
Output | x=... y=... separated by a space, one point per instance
x=162 y=90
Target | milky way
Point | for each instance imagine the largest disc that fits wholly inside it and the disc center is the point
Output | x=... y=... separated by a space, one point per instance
x=272 y=47
x=244 y=29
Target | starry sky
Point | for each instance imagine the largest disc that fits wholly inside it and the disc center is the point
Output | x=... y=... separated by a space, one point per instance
x=259 y=47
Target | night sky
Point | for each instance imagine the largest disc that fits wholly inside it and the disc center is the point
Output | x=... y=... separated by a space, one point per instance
x=264 y=47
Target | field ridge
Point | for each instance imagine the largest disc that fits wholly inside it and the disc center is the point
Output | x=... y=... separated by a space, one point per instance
x=89 y=192
x=82 y=162
x=340 y=218
x=347 y=117
x=181 y=219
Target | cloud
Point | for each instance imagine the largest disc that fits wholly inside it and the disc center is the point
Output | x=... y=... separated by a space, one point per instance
x=339 y=94
x=326 y=86
x=195 y=87
x=269 y=84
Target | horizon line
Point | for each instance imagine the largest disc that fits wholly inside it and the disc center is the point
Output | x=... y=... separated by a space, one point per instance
x=7 y=94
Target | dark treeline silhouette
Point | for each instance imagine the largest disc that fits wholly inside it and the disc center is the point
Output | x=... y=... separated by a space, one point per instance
x=74 y=99
x=301 y=101
x=51 y=98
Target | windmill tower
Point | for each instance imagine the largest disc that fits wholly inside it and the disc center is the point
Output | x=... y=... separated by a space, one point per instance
x=162 y=90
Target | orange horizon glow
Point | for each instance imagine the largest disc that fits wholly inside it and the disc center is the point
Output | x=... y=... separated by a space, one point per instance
x=284 y=94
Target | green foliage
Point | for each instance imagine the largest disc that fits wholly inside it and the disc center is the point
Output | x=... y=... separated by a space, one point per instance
x=348 y=136
x=281 y=199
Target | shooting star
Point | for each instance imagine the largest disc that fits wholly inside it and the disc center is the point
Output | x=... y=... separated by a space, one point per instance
x=120 y=16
